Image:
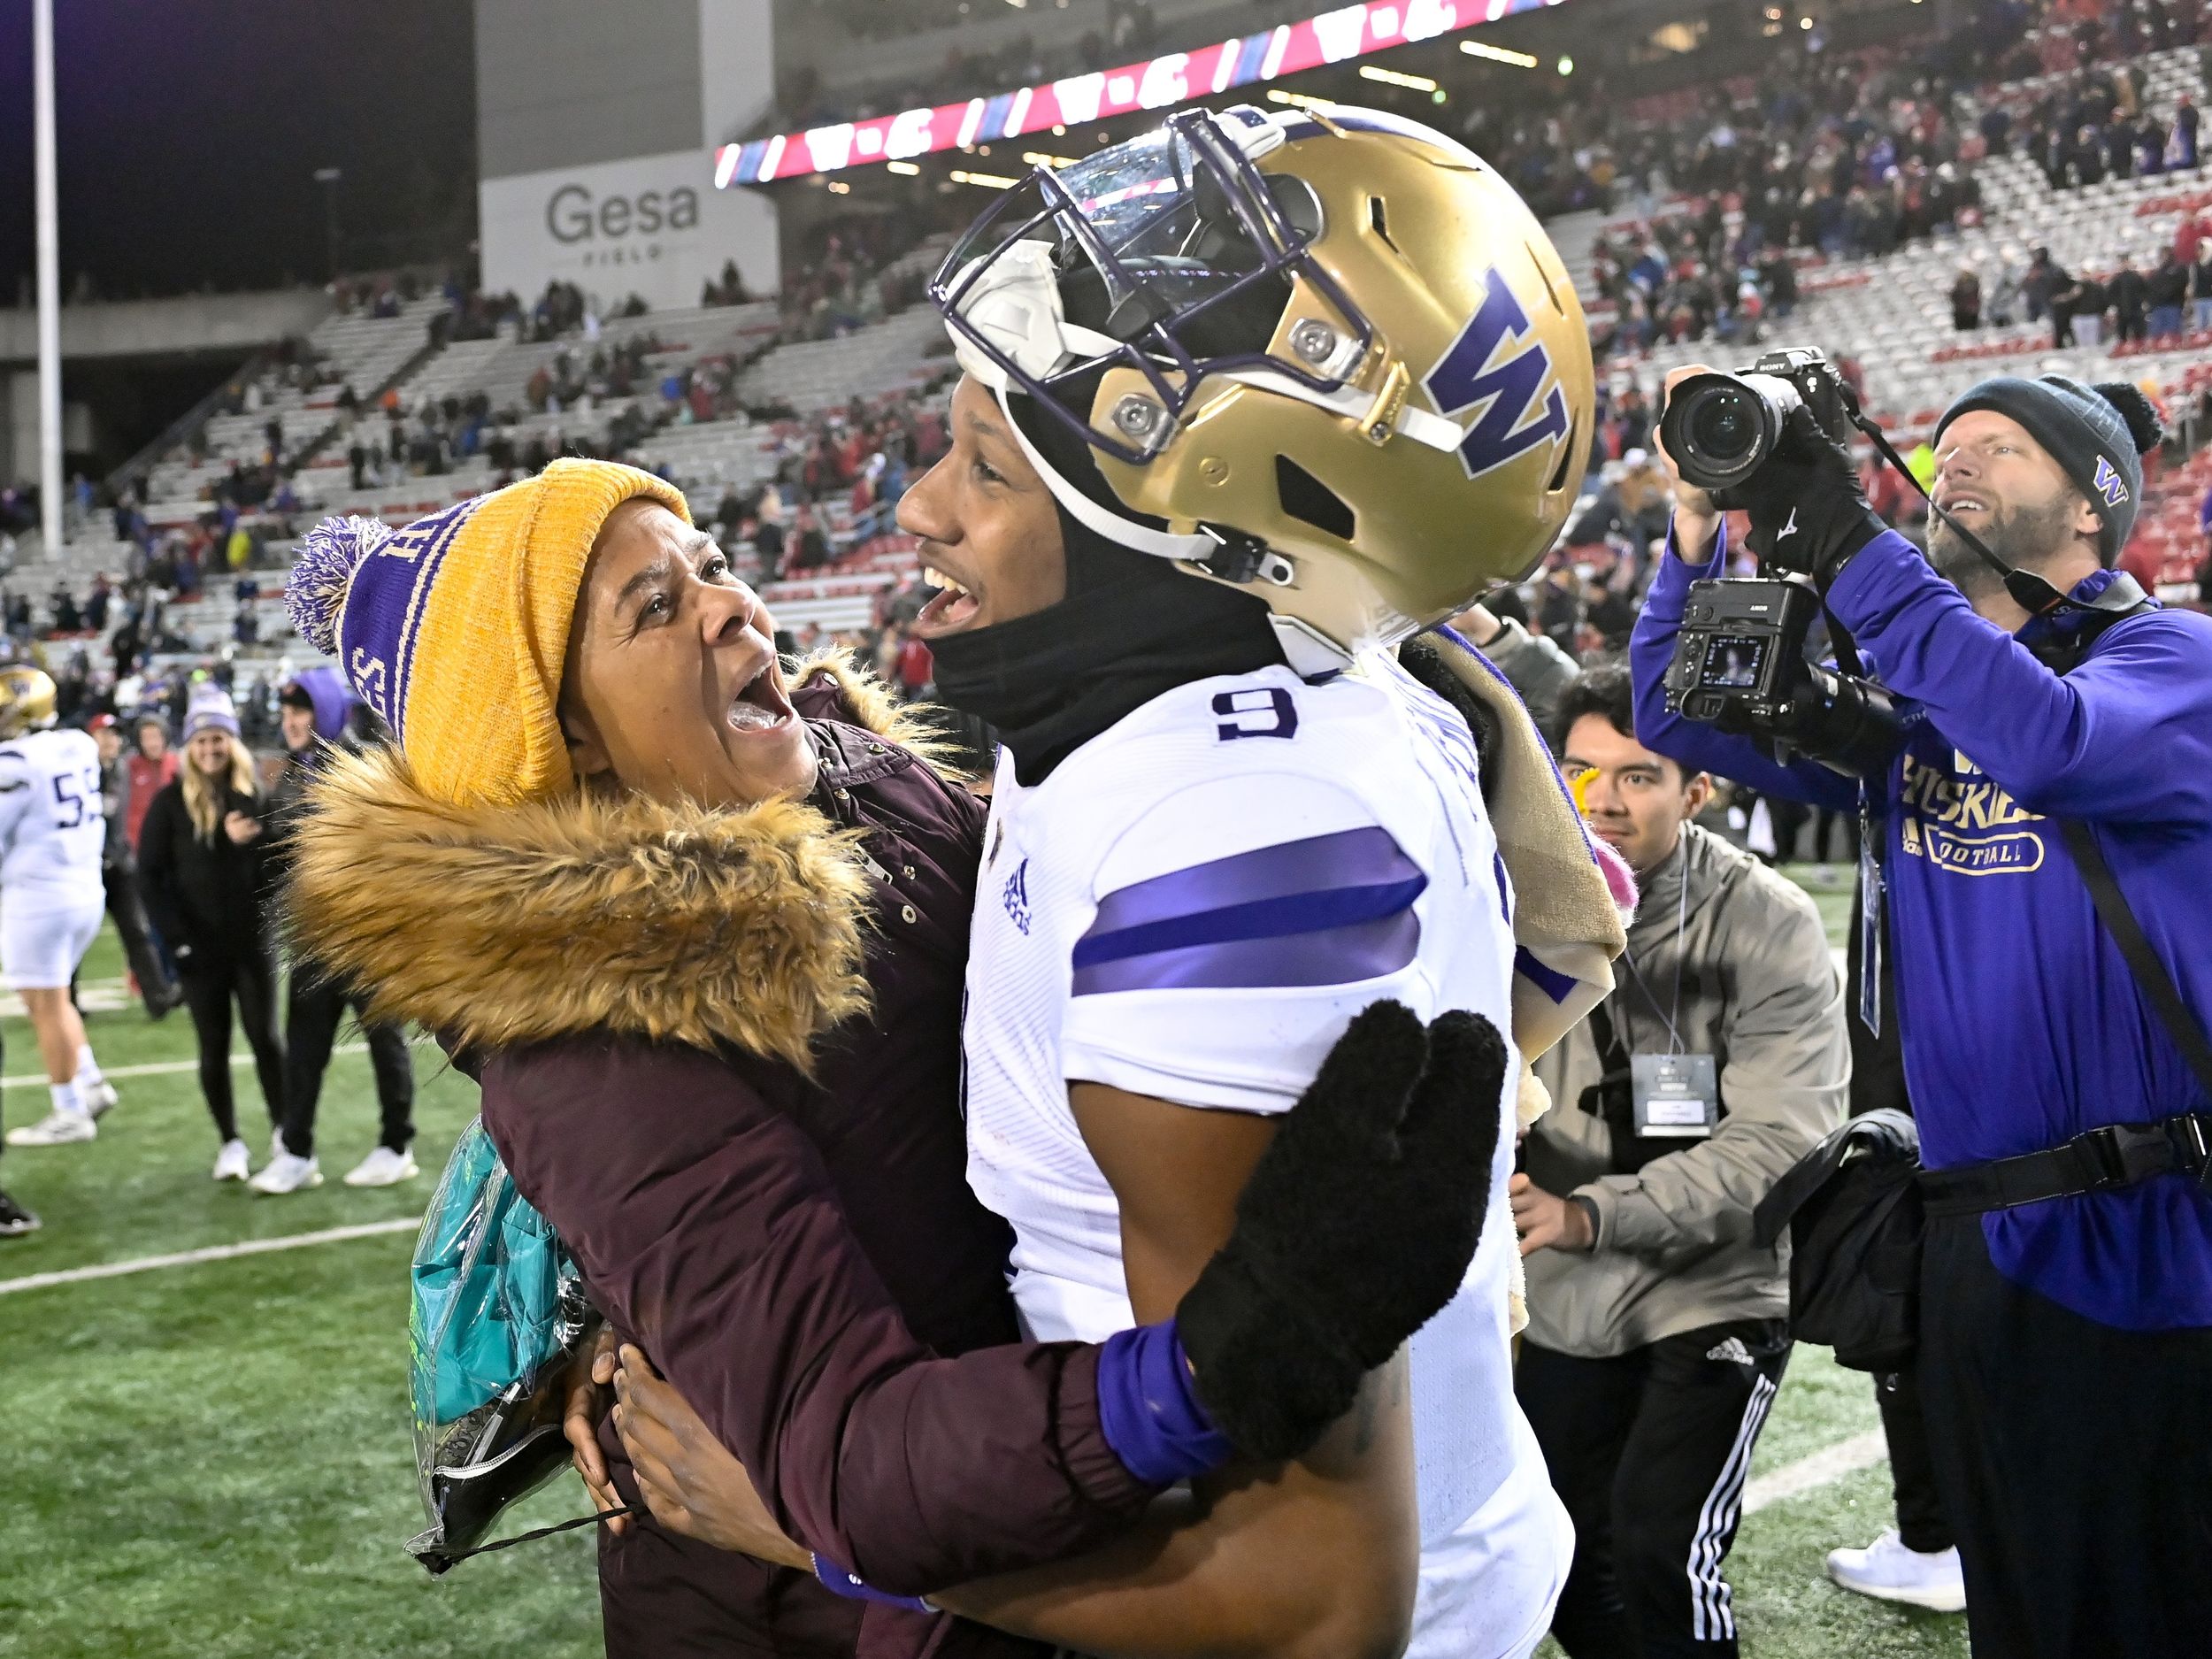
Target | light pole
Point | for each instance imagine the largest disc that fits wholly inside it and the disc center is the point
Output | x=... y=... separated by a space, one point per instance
x=328 y=177
x=49 y=501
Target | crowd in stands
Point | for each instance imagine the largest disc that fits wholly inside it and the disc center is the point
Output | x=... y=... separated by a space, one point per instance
x=2161 y=306
x=1836 y=156
x=836 y=482
x=844 y=284
x=1742 y=184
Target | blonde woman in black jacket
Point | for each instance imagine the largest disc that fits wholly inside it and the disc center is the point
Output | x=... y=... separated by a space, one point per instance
x=208 y=883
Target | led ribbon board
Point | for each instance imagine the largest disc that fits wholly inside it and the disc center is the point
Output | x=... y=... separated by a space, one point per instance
x=1335 y=37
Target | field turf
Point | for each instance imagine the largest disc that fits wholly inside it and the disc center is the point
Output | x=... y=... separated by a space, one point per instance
x=213 y=1460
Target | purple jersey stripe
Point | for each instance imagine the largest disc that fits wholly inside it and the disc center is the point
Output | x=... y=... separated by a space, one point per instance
x=1348 y=859
x=1264 y=919
x=1550 y=982
x=1334 y=955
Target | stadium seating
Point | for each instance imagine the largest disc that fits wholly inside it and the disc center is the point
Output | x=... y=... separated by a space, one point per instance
x=1892 y=314
x=364 y=352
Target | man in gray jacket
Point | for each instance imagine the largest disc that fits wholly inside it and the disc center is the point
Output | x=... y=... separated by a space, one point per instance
x=1657 y=1333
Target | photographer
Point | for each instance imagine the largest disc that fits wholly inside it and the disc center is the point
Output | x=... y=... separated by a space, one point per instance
x=1657 y=1330
x=2066 y=1301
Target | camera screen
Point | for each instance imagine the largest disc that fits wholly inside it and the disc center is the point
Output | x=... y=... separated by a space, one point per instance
x=1733 y=662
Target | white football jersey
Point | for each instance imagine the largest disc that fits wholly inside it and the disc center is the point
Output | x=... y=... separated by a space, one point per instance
x=51 y=826
x=1193 y=906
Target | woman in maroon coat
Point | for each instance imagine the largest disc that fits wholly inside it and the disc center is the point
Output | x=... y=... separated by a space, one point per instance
x=712 y=994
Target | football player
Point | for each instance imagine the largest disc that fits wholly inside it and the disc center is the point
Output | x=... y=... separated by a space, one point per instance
x=52 y=832
x=1248 y=402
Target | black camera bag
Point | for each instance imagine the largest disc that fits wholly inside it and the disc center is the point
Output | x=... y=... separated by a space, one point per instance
x=1853 y=1208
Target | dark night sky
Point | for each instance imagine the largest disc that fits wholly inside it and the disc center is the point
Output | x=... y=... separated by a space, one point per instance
x=190 y=130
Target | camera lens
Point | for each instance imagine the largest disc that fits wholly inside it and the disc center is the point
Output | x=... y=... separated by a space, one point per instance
x=1720 y=428
x=1723 y=426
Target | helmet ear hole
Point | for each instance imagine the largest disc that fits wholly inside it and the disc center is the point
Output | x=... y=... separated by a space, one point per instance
x=1309 y=500
x=1379 y=221
x=1544 y=276
x=1301 y=206
x=1566 y=454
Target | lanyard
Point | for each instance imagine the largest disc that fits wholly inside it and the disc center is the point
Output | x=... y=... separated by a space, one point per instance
x=1681 y=919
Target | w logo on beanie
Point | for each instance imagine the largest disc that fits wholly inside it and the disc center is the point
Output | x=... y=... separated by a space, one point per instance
x=2110 y=484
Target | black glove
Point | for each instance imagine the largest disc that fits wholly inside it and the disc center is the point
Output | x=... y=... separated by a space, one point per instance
x=1355 y=1229
x=1807 y=513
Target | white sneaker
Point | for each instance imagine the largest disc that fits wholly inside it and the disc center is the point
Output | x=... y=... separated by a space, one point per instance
x=231 y=1162
x=276 y=1143
x=58 y=1128
x=1889 y=1571
x=383 y=1167
x=285 y=1173
x=99 y=1098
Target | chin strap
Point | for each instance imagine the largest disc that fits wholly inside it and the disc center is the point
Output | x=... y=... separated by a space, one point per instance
x=2028 y=590
x=1140 y=538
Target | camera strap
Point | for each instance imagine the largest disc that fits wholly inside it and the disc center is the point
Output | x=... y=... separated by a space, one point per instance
x=2113 y=1154
x=2028 y=590
x=2119 y=920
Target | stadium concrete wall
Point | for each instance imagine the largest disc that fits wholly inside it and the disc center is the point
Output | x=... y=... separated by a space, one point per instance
x=596 y=127
x=186 y=325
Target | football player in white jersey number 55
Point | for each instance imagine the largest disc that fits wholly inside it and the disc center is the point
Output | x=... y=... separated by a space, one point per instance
x=1248 y=401
x=51 y=897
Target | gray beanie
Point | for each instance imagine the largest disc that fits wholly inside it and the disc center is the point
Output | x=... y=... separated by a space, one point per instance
x=2097 y=434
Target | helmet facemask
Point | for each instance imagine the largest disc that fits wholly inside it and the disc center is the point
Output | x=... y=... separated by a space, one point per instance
x=1171 y=255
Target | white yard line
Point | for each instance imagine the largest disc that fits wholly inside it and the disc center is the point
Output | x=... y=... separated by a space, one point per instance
x=169 y=1068
x=211 y=1253
x=1824 y=1467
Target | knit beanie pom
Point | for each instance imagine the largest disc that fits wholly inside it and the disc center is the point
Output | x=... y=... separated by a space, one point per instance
x=2138 y=410
x=329 y=554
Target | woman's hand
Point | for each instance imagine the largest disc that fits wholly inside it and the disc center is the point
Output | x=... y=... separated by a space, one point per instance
x=590 y=1385
x=689 y=1479
x=1696 y=520
x=241 y=827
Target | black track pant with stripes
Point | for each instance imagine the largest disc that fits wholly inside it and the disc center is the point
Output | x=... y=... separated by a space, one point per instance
x=1649 y=1451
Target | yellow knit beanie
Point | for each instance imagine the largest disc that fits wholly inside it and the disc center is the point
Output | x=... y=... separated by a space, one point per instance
x=454 y=629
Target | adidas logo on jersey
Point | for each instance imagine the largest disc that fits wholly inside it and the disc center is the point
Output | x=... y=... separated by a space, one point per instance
x=1732 y=1352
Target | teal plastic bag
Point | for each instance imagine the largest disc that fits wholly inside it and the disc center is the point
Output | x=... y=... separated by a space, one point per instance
x=499 y=1309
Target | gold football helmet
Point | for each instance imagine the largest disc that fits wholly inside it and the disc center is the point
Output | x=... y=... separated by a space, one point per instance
x=27 y=700
x=1326 y=355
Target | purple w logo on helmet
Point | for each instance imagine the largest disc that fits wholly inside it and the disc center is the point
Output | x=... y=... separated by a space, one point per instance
x=1520 y=414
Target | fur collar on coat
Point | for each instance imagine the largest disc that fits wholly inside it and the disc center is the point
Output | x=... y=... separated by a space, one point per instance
x=499 y=926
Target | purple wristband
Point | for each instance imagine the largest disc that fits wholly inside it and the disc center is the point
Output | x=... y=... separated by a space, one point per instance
x=837 y=1581
x=1149 y=1411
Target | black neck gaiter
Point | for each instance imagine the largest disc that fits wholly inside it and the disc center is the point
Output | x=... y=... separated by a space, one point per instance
x=1131 y=627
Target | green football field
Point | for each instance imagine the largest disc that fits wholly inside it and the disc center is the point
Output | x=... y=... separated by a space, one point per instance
x=212 y=1458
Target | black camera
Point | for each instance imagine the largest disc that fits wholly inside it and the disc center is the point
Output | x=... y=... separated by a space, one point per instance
x=1721 y=427
x=1740 y=661
x=1740 y=664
